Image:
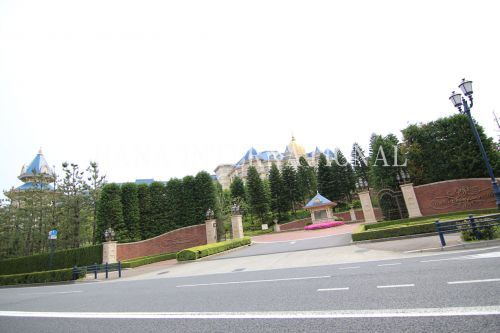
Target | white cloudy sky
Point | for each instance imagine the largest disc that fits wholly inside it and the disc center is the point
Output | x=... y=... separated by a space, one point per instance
x=161 y=89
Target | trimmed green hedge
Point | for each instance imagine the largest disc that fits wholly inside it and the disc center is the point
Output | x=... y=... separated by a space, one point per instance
x=38 y=277
x=82 y=256
x=148 y=260
x=394 y=232
x=206 y=250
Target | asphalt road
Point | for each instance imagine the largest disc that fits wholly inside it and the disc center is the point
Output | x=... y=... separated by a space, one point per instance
x=289 y=246
x=455 y=292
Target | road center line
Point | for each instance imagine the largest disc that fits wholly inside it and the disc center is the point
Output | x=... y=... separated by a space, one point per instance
x=54 y=292
x=333 y=289
x=397 y=286
x=393 y=264
x=351 y=267
x=382 y=313
x=254 y=281
x=474 y=281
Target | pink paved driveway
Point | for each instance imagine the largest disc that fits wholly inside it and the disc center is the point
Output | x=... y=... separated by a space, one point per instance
x=305 y=234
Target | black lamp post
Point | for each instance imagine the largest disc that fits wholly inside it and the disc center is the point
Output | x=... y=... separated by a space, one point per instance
x=458 y=100
x=362 y=185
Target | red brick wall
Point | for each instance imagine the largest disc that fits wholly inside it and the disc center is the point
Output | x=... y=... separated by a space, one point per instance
x=295 y=225
x=172 y=241
x=455 y=195
x=346 y=216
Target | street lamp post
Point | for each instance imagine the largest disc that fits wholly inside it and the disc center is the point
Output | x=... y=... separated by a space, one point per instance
x=458 y=100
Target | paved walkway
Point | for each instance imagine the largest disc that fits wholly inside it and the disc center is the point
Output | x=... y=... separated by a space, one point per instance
x=305 y=234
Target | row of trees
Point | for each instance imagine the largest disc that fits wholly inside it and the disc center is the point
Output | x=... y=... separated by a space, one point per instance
x=70 y=207
x=143 y=211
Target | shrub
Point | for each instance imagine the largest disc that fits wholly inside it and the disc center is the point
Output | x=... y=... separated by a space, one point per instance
x=62 y=259
x=39 y=277
x=206 y=250
x=148 y=260
x=395 y=232
x=323 y=225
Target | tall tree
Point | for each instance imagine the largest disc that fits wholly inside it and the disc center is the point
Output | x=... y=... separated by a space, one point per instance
x=446 y=149
x=205 y=195
x=72 y=187
x=237 y=189
x=131 y=214
x=277 y=190
x=257 y=198
x=145 y=218
x=291 y=192
x=343 y=176
x=94 y=188
x=175 y=208
x=110 y=212
x=306 y=180
x=158 y=208
x=383 y=172
x=326 y=183
x=189 y=196
x=359 y=162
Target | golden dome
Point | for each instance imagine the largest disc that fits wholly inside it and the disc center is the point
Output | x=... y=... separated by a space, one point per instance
x=295 y=149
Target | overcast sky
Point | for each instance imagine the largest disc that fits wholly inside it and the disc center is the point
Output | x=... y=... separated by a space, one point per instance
x=161 y=89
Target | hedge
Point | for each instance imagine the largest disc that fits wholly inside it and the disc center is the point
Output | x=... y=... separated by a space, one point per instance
x=38 y=277
x=148 y=260
x=395 y=232
x=197 y=252
x=82 y=256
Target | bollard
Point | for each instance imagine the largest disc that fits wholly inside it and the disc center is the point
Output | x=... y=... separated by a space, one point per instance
x=75 y=273
x=474 y=227
x=106 y=268
x=441 y=235
x=119 y=269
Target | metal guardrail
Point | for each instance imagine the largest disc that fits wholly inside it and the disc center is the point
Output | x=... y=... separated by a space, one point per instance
x=97 y=268
x=475 y=224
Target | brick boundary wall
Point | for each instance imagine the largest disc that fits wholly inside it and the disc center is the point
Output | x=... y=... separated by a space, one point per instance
x=295 y=225
x=171 y=241
x=455 y=195
x=346 y=216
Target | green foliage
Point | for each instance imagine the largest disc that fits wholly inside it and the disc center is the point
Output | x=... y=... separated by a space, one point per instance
x=257 y=198
x=206 y=250
x=145 y=218
x=175 y=203
x=326 y=183
x=205 y=196
x=110 y=212
x=306 y=181
x=343 y=177
x=446 y=149
x=131 y=214
x=38 y=277
x=395 y=232
x=158 y=208
x=291 y=191
x=62 y=259
x=279 y=205
x=94 y=188
x=383 y=171
x=148 y=260
x=359 y=162
x=237 y=189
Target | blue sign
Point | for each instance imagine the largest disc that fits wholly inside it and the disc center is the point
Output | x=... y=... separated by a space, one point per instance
x=53 y=234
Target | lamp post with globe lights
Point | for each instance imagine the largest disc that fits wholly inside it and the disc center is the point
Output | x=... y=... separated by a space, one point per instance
x=458 y=101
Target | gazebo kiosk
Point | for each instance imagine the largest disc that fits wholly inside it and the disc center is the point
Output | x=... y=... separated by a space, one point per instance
x=320 y=208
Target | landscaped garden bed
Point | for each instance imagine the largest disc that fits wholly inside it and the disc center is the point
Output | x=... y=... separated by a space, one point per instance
x=323 y=225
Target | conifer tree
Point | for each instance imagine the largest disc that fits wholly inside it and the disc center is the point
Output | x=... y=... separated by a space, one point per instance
x=306 y=180
x=131 y=214
x=257 y=198
x=175 y=214
x=205 y=195
x=237 y=188
x=145 y=220
x=291 y=193
x=158 y=208
x=110 y=213
x=326 y=184
x=277 y=190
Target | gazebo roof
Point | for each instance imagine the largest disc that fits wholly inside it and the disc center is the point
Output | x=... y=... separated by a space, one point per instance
x=319 y=201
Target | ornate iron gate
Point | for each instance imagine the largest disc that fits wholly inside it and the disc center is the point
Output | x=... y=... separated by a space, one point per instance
x=392 y=204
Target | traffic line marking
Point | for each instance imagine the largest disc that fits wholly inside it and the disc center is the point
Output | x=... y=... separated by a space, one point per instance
x=393 y=264
x=381 y=313
x=333 y=289
x=54 y=292
x=254 y=281
x=397 y=286
x=474 y=281
x=351 y=267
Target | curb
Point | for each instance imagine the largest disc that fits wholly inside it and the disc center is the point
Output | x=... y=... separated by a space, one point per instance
x=469 y=245
x=394 y=238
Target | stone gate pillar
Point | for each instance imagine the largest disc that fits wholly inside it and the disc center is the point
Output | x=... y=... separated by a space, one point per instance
x=237 y=226
x=410 y=200
x=366 y=204
x=352 y=214
x=109 y=253
x=211 y=227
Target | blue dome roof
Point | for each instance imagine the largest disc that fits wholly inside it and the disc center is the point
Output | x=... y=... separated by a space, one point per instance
x=34 y=186
x=318 y=200
x=38 y=166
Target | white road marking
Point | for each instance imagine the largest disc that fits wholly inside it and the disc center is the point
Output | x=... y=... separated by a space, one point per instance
x=474 y=281
x=54 y=292
x=397 y=286
x=351 y=267
x=301 y=239
x=382 y=313
x=292 y=243
x=487 y=255
x=393 y=264
x=333 y=289
x=254 y=281
x=445 y=259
